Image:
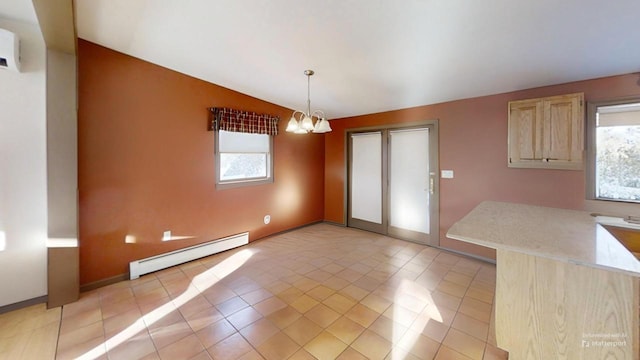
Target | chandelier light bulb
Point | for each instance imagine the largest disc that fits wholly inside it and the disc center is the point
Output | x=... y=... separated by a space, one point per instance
x=304 y=124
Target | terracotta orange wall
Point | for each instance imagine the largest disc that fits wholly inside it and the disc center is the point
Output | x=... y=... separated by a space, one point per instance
x=146 y=165
x=473 y=143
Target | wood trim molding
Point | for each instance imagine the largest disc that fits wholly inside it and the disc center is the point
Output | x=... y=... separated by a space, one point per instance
x=23 y=304
x=104 y=282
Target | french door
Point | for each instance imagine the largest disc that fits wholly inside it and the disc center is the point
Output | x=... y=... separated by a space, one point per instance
x=393 y=183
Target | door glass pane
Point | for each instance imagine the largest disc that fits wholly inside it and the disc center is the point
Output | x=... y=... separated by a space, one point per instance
x=409 y=180
x=366 y=177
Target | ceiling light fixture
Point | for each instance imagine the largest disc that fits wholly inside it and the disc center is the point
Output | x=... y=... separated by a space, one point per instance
x=303 y=124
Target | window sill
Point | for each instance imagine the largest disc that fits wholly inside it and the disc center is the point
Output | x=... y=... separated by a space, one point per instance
x=614 y=208
x=239 y=184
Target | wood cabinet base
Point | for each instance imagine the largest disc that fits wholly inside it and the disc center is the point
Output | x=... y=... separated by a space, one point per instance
x=548 y=309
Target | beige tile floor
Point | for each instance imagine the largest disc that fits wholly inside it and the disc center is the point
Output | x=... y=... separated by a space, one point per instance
x=29 y=333
x=320 y=292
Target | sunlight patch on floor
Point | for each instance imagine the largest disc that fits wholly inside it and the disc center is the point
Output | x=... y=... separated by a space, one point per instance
x=422 y=298
x=199 y=283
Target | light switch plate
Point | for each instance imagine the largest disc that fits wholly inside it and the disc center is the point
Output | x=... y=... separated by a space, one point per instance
x=447 y=174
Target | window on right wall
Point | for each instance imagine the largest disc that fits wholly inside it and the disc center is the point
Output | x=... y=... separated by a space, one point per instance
x=614 y=150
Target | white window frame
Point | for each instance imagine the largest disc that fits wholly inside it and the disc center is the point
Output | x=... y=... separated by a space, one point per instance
x=591 y=176
x=228 y=184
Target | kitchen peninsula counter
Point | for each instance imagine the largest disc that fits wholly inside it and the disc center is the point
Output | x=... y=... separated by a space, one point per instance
x=565 y=235
x=565 y=287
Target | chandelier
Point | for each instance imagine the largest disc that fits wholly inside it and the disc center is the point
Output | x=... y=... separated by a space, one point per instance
x=303 y=123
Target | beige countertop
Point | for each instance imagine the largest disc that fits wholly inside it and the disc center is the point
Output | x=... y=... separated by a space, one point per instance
x=565 y=235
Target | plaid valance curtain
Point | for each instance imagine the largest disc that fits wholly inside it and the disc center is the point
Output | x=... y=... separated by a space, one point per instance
x=242 y=121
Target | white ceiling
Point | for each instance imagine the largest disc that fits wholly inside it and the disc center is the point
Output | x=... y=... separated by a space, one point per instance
x=372 y=55
x=18 y=10
x=53 y=17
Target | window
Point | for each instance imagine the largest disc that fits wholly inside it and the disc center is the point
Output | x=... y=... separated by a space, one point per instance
x=243 y=159
x=244 y=146
x=615 y=151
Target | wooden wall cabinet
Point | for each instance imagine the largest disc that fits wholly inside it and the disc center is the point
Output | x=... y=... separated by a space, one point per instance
x=547 y=133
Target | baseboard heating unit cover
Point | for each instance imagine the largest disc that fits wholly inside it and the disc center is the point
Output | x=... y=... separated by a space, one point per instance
x=163 y=261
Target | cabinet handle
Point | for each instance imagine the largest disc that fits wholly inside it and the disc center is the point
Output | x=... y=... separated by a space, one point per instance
x=547 y=159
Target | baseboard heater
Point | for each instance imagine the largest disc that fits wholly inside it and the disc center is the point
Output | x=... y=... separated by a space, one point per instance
x=163 y=261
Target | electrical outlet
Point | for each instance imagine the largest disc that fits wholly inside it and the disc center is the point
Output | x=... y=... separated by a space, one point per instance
x=267 y=219
x=166 y=235
x=447 y=174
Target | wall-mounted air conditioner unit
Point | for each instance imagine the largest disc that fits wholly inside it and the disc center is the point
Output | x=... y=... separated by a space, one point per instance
x=9 y=50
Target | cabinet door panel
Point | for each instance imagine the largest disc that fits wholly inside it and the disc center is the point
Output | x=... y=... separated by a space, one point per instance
x=525 y=126
x=559 y=131
x=563 y=128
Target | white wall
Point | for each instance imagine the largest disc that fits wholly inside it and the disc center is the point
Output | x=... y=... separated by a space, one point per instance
x=23 y=178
